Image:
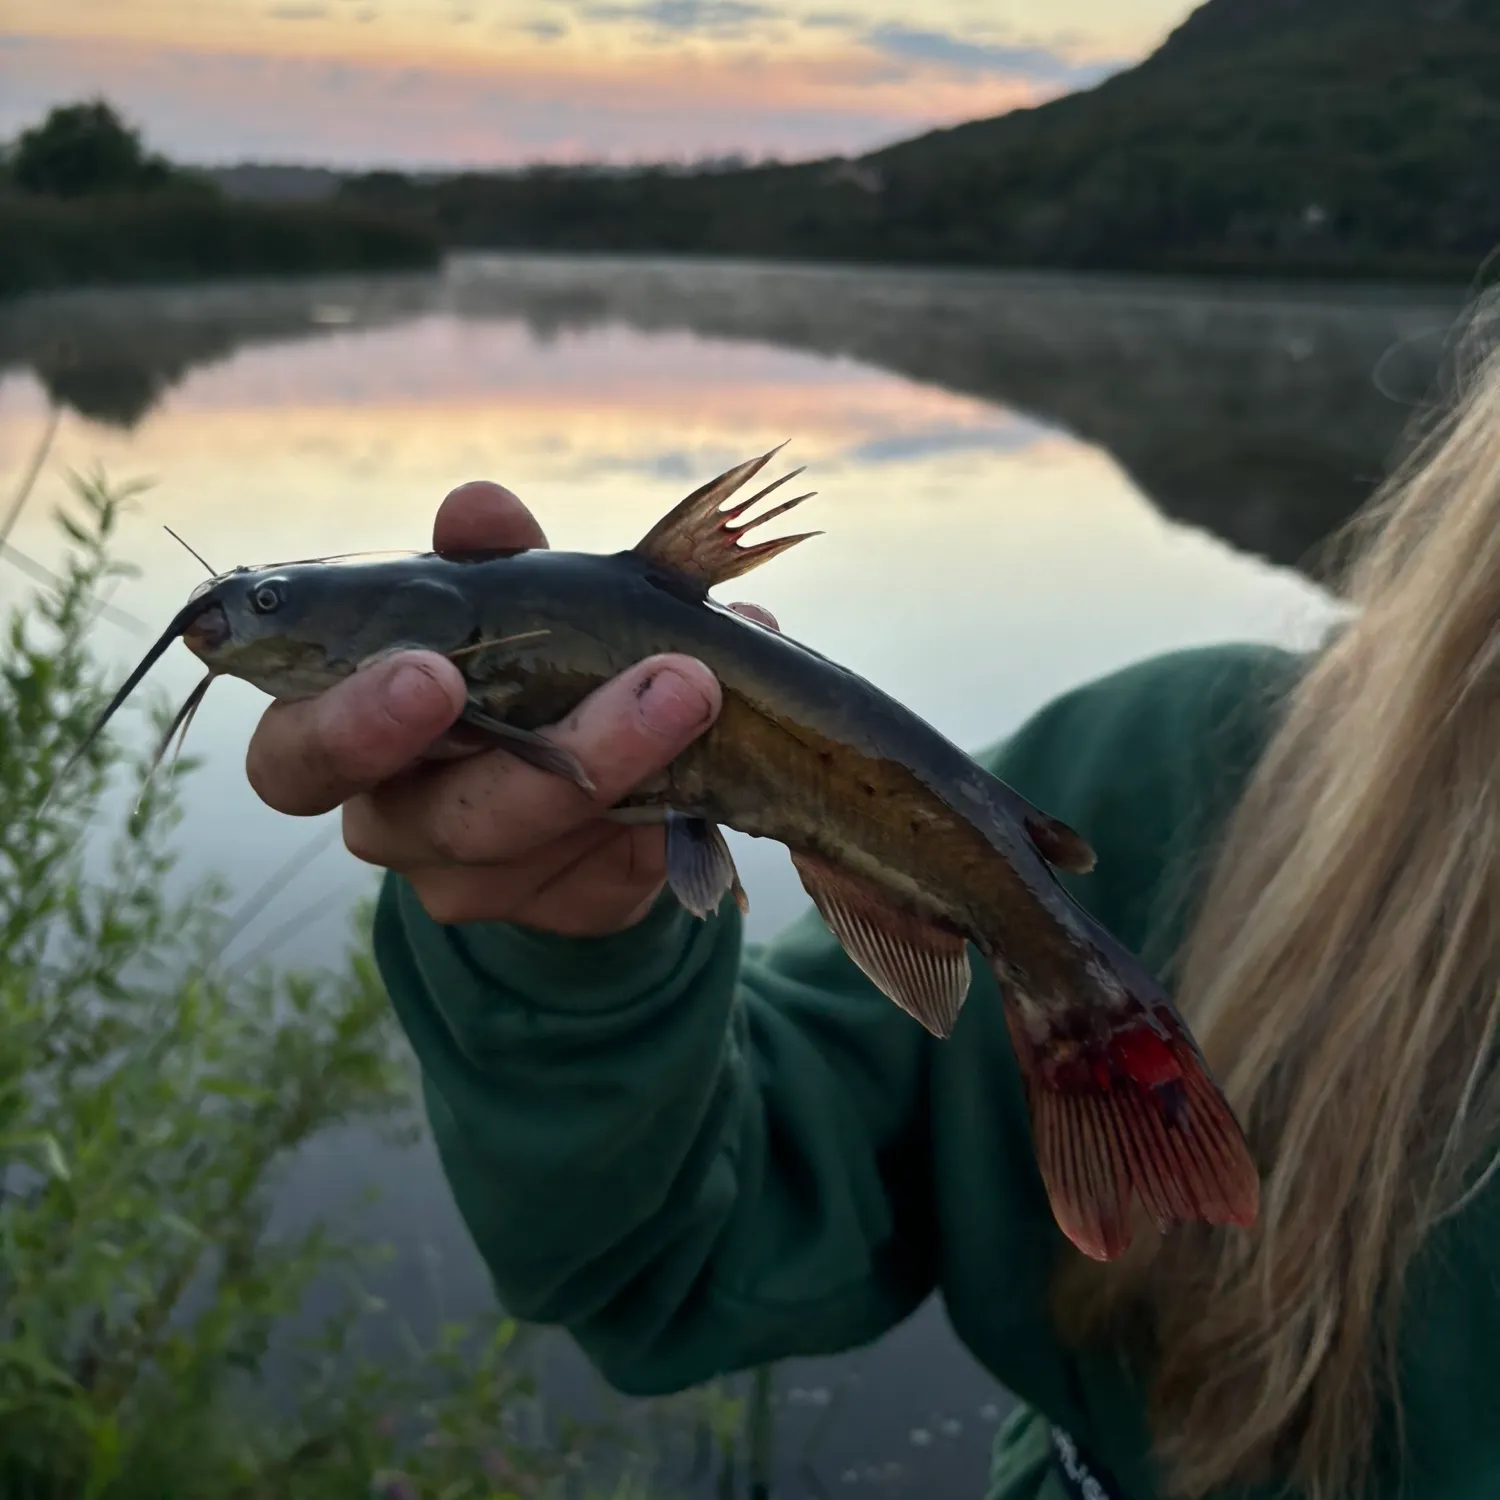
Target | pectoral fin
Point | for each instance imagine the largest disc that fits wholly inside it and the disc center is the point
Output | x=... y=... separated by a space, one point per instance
x=700 y=868
x=696 y=539
x=535 y=749
x=924 y=968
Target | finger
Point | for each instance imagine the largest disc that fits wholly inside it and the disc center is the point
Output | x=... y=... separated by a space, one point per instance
x=307 y=757
x=757 y=612
x=493 y=807
x=607 y=892
x=599 y=885
x=505 y=885
x=479 y=515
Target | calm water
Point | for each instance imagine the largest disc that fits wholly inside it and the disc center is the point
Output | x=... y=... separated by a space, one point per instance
x=1023 y=482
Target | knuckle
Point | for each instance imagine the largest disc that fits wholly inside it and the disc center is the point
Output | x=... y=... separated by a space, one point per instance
x=452 y=836
x=361 y=834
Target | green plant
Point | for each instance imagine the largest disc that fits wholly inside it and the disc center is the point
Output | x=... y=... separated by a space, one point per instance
x=148 y=1099
x=84 y=148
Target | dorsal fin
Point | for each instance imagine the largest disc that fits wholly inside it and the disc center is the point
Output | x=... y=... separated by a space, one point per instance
x=696 y=539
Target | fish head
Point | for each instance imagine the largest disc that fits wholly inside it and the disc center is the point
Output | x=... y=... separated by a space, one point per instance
x=296 y=629
x=293 y=630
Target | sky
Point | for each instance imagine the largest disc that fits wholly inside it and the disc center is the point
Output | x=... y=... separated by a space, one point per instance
x=484 y=83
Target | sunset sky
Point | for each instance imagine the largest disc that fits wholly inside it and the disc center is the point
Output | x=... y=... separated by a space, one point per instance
x=490 y=82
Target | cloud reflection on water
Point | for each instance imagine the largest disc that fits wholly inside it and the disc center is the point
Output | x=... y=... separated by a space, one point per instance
x=974 y=561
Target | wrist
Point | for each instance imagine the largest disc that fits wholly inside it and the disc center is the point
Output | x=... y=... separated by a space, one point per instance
x=545 y=971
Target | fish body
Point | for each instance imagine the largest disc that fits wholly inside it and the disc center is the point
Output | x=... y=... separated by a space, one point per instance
x=911 y=850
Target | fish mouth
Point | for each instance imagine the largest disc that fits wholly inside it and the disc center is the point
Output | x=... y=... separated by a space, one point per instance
x=207 y=631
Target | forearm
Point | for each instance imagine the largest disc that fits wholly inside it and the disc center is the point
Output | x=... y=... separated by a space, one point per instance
x=658 y=1147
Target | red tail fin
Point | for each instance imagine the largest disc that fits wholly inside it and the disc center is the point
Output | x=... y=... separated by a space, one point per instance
x=1125 y=1106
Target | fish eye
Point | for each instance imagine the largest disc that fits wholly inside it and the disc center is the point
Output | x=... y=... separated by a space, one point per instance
x=266 y=598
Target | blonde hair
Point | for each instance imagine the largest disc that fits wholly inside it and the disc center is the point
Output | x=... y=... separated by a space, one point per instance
x=1343 y=977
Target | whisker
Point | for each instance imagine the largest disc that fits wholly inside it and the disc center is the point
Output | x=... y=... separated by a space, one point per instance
x=180 y=721
x=191 y=551
x=184 y=617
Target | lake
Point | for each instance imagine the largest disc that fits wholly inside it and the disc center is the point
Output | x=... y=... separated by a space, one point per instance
x=1024 y=481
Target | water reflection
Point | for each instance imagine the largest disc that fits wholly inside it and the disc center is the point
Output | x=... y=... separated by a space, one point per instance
x=997 y=461
x=1261 y=414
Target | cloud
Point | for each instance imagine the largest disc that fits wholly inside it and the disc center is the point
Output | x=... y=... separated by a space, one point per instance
x=544 y=31
x=1042 y=64
x=208 y=107
x=298 y=12
x=483 y=109
x=718 y=18
x=1007 y=436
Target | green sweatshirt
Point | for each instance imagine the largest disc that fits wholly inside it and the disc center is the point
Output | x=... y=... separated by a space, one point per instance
x=698 y=1155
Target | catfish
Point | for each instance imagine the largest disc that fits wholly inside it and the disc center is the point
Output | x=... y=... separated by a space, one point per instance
x=910 y=850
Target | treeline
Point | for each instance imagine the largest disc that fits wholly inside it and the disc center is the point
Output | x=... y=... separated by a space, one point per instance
x=1275 y=136
x=82 y=202
x=1328 y=137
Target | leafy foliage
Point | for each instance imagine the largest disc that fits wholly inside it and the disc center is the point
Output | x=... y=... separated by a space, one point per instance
x=148 y=1101
x=84 y=148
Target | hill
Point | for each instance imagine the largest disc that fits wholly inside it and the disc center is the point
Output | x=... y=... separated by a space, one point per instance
x=1325 y=136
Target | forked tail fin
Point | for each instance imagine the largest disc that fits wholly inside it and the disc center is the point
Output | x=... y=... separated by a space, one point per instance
x=1122 y=1105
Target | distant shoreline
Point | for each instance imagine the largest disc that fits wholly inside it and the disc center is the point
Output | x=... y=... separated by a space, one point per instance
x=170 y=237
x=429 y=259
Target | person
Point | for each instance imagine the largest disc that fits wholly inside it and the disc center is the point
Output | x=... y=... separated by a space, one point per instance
x=698 y=1155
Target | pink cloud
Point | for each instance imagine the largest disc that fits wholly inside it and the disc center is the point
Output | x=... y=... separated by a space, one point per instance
x=220 y=106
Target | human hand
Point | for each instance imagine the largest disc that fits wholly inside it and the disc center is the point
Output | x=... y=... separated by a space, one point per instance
x=480 y=835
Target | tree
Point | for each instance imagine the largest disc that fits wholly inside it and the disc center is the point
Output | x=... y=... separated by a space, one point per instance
x=81 y=149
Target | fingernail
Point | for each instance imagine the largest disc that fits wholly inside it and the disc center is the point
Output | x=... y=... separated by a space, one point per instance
x=671 y=704
x=756 y=612
x=414 y=697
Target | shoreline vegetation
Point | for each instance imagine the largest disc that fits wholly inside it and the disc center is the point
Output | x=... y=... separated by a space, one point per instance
x=83 y=204
x=1282 y=139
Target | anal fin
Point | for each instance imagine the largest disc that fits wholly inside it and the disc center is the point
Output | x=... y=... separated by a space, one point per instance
x=923 y=967
x=700 y=868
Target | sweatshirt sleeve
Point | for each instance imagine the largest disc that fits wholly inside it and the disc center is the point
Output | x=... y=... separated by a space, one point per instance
x=697 y=1155
x=694 y=1157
